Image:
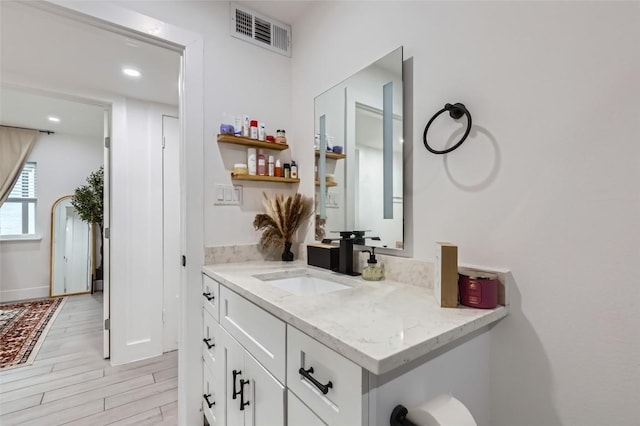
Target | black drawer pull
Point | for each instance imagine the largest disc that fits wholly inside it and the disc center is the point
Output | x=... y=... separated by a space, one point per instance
x=307 y=375
x=208 y=296
x=206 y=398
x=235 y=392
x=242 y=403
x=206 y=341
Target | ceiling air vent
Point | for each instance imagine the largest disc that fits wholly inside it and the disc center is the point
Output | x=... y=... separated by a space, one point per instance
x=260 y=30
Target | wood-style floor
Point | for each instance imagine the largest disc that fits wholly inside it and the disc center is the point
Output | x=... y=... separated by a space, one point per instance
x=71 y=384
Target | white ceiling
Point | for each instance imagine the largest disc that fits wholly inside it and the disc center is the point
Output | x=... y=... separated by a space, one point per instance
x=40 y=49
x=25 y=109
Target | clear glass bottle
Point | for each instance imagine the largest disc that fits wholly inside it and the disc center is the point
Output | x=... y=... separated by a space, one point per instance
x=373 y=271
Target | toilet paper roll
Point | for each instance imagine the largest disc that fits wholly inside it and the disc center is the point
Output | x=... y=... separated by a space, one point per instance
x=443 y=410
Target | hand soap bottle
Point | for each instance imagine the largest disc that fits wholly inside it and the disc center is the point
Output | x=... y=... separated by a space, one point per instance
x=373 y=271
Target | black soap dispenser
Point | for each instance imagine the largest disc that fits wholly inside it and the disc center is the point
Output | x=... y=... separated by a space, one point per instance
x=374 y=271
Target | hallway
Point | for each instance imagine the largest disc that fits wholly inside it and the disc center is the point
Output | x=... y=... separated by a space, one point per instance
x=70 y=383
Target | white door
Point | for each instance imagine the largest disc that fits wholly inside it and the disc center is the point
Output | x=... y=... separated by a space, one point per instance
x=106 y=336
x=136 y=278
x=171 y=226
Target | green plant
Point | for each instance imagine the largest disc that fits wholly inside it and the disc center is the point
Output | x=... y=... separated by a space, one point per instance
x=88 y=200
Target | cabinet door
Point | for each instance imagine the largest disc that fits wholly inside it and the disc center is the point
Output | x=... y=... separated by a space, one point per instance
x=209 y=396
x=300 y=414
x=232 y=358
x=210 y=341
x=265 y=395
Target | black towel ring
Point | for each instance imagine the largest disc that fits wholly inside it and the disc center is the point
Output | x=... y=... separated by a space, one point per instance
x=456 y=111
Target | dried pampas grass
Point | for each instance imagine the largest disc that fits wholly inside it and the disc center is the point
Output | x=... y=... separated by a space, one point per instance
x=283 y=217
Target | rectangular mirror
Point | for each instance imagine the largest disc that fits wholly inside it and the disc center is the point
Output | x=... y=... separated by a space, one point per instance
x=359 y=155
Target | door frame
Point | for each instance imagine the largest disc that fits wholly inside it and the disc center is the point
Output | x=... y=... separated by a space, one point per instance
x=191 y=111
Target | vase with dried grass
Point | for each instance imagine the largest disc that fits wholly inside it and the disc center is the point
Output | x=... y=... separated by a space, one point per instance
x=283 y=217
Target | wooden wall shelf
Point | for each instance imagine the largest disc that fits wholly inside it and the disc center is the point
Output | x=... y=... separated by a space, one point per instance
x=332 y=155
x=329 y=184
x=264 y=178
x=241 y=140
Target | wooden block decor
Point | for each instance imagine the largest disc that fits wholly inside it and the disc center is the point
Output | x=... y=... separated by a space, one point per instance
x=446 y=275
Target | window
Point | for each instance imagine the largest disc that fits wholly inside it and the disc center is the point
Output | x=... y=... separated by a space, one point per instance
x=18 y=213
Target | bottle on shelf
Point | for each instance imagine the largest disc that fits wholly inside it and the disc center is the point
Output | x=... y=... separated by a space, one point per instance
x=287 y=170
x=254 y=129
x=294 y=170
x=245 y=126
x=271 y=167
x=261 y=163
x=252 y=161
x=278 y=168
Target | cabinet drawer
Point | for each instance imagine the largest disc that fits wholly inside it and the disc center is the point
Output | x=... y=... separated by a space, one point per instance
x=210 y=346
x=343 y=403
x=299 y=414
x=262 y=334
x=210 y=295
x=208 y=390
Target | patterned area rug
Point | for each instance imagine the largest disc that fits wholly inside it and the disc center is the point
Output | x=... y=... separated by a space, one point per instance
x=23 y=328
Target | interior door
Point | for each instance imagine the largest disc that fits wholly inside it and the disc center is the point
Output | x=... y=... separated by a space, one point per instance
x=171 y=231
x=106 y=288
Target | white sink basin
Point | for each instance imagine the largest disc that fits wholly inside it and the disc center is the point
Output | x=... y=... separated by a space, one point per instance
x=302 y=282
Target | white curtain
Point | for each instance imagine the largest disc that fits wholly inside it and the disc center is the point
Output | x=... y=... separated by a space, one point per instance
x=15 y=147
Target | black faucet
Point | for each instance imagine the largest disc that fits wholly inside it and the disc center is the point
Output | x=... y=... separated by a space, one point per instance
x=347 y=240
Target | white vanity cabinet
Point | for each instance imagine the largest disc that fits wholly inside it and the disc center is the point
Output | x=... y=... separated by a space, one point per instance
x=262 y=371
x=238 y=388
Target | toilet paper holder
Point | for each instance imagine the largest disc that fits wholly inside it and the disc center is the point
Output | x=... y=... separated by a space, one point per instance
x=399 y=417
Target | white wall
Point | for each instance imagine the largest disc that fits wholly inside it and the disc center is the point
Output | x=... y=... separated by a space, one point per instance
x=64 y=162
x=547 y=185
x=240 y=78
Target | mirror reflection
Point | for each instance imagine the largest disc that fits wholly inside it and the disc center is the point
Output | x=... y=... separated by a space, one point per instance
x=70 y=250
x=361 y=187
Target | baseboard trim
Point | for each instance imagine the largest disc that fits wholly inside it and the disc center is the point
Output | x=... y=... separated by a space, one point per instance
x=24 y=294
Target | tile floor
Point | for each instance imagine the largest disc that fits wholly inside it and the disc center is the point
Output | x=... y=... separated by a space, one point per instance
x=71 y=384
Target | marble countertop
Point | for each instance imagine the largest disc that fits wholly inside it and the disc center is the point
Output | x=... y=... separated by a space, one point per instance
x=378 y=325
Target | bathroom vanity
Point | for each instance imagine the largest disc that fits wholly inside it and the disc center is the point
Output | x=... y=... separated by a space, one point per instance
x=289 y=344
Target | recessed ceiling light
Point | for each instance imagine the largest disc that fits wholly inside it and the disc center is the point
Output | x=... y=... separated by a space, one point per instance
x=131 y=72
x=54 y=119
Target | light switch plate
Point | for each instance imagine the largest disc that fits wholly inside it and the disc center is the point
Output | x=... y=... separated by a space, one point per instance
x=227 y=195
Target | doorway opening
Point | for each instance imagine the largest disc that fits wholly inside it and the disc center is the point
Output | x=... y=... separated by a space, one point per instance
x=86 y=66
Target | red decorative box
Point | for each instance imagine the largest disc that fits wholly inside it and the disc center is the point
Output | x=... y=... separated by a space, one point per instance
x=478 y=289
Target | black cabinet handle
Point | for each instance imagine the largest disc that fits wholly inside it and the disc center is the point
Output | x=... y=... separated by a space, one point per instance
x=206 y=341
x=208 y=296
x=235 y=392
x=307 y=375
x=242 y=403
x=206 y=398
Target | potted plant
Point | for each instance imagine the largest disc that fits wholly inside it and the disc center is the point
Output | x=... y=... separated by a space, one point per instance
x=88 y=201
x=283 y=217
